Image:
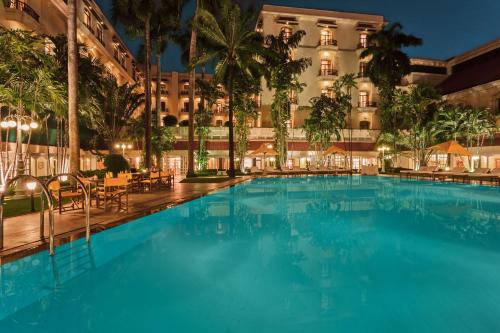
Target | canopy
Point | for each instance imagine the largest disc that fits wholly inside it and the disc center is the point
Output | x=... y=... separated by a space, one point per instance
x=334 y=150
x=451 y=147
x=265 y=149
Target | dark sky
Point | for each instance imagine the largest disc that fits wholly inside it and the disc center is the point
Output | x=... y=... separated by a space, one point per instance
x=448 y=27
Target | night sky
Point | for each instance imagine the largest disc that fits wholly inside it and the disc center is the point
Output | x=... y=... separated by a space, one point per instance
x=447 y=27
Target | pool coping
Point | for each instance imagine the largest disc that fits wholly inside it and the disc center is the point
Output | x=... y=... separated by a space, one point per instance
x=19 y=252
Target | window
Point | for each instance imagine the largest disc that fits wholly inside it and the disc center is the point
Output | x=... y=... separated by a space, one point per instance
x=363 y=99
x=186 y=107
x=99 y=32
x=218 y=122
x=116 y=52
x=287 y=33
x=163 y=107
x=362 y=69
x=326 y=66
x=87 y=18
x=364 y=124
x=363 y=40
x=326 y=37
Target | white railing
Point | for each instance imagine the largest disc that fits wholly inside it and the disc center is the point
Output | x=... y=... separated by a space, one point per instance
x=267 y=133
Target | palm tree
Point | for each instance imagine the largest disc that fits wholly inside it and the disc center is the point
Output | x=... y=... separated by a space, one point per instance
x=235 y=45
x=74 y=135
x=282 y=75
x=387 y=66
x=211 y=6
x=136 y=16
x=114 y=109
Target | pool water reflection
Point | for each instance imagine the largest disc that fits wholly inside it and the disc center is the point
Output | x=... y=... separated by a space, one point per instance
x=313 y=254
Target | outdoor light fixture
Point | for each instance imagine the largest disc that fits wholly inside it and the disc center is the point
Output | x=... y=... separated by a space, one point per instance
x=383 y=149
x=31 y=187
x=123 y=146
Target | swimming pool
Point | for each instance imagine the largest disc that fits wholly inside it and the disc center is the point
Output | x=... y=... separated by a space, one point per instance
x=312 y=254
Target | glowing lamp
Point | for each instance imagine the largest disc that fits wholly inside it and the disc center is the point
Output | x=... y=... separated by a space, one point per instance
x=4 y=124
x=25 y=127
x=12 y=123
x=31 y=186
x=34 y=125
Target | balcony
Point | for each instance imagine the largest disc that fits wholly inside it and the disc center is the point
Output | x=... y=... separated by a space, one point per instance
x=267 y=134
x=362 y=77
x=23 y=7
x=367 y=106
x=184 y=92
x=327 y=45
x=326 y=74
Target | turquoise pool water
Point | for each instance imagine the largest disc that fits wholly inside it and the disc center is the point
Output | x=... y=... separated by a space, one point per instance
x=315 y=254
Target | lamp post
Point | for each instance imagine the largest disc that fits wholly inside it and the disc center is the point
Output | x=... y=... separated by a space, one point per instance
x=123 y=146
x=383 y=149
x=31 y=188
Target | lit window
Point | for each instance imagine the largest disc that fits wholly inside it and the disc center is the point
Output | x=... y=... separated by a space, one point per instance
x=363 y=99
x=99 y=32
x=364 y=124
x=287 y=33
x=87 y=18
x=363 y=40
x=326 y=37
x=326 y=67
x=362 y=69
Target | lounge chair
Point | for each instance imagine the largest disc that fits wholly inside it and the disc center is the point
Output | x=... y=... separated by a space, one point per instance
x=254 y=170
x=423 y=171
x=483 y=174
x=442 y=175
x=369 y=170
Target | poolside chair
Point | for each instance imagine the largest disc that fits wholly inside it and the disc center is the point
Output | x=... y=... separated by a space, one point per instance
x=484 y=174
x=166 y=179
x=422 y=171
x=67 y=197
x=442 y=175
x=153 y=180
x=255 y=170
x=369 y=170
x=113 y=191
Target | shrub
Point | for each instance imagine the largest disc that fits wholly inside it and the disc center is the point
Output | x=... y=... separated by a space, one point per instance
x=169 y=120
x=184 y=123
x=100 y=173
x=116 y=163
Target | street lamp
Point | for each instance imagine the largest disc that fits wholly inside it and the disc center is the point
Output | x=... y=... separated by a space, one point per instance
x=123 y=146
x=383 y=149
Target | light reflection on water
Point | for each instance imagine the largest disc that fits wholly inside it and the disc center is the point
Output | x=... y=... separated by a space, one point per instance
x=316 y=254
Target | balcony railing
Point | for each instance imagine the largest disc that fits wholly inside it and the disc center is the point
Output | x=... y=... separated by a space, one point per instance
x=367 y=104
x=184 y=92
x=361 y=46
x=328 y=72
x=327 y=42
x=24 y=7
x=266 y=133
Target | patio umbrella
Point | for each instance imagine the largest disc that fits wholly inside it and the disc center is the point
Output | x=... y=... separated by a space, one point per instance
x=263 y=150
x=450 y=147
x=334 y=150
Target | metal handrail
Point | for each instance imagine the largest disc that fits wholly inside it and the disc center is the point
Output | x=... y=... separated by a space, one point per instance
x=46 y=192
x=87 y=199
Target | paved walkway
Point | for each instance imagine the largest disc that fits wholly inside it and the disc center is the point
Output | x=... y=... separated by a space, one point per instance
x=22 y=233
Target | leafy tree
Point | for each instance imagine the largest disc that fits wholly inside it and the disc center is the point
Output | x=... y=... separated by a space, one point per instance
x=115 y=107
x=169 y=120
x=282 y=76
x=326 y=120
x=73 y=50
x=236 y=46
x=163 y=141
x=28 y=87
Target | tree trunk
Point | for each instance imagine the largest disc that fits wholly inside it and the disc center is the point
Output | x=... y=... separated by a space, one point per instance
x=231 y=125
x=158 y=82
x=147 y=84
x=74 y=135
x=192 y=81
